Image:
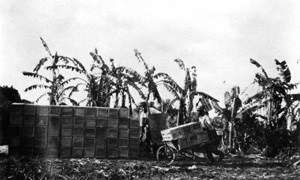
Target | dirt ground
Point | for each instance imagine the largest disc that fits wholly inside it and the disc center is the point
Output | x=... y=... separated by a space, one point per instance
x=233 y=167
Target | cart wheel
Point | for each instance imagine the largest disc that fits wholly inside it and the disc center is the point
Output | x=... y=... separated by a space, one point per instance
x=165 y=156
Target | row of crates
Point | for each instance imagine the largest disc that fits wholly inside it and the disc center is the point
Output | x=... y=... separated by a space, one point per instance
x=67 y=111
x=75 y=147
x=64 y=131
x=182 y=131
x=55 y=122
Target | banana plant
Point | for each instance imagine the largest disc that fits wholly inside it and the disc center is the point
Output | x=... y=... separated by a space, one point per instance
x=56 y=86
x=274 y=92
x=151 y=80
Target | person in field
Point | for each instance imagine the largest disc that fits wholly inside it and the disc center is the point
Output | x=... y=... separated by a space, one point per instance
x=208 y=125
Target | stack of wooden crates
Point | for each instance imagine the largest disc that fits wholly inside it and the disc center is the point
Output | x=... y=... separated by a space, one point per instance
x=67 y=131
x=185 y=136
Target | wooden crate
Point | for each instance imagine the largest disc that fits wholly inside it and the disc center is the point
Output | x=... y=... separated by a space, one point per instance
x=41 y=121
x=123 y=133
x=40 y=151
x=66 y=131
x=52 y=152
x=27 y=142
x=202 y=137
x=43 y=110
x=113 y=113
x=183 y=143
x=90 y=122
x=79 y=121
x=112 y=153
x=134 y=142
x=112 y=123
x=15 y=142
x=101 y=142
x=134 y=123
x=134 y=153
x=65 y=152
x=134 y=133
x=66 y=142
x=102 y=123
x=29 y=109
x=16 y=120
x=16 y=131
x=54 y=122
x=54 y=110
x=89 y=143
x=196 y=127
x=29 y=120
x=78 y=132
x=40 y=142
x=124 y=123
x=90 y=132
x=28 y=131
x=123 y=152
x=123 y=142
x=89 y=153
x=124 y=113
x=187 y=130
x=79 y=112
x=112 y=143
x=40 y=132
x=101 y=152
x=16 y=108
x=66 y=111
x=53 y=142
x=78 y=142
x=135 y=115
x=67 y=122
x=112 y=133
x=77 y=152
x=172 y=134
x=53 y=131
x=101 y=132
x=91 y=112
x=102 y=112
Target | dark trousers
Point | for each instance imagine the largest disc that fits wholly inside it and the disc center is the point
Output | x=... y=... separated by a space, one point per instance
x=213 y=146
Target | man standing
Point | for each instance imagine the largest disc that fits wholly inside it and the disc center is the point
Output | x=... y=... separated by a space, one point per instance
x=207 y=125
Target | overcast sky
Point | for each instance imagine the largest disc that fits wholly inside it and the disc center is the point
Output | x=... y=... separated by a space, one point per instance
x=218 y=37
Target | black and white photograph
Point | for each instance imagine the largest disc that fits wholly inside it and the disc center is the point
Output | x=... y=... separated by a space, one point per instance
x=148 y=89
